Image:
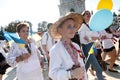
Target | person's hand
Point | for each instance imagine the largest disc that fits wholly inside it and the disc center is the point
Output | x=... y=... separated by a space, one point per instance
x=78 y=73
x=26 y=56
x=23 y=57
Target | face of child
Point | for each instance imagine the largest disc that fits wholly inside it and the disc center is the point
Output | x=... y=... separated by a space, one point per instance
x=68 y=29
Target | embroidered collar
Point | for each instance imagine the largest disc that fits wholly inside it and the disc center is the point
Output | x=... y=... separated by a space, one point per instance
x=73 y=52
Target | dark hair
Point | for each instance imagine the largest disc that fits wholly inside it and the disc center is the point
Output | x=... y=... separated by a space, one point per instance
x=108 y=30
x=76 y=39
x=2 y=58
x=49 y=24
x=21 y=25
x=83 y=13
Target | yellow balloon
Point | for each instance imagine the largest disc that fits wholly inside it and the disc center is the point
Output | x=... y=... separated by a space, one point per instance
x=105 y=4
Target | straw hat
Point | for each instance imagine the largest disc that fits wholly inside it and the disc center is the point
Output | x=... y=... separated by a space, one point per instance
x=78 y=18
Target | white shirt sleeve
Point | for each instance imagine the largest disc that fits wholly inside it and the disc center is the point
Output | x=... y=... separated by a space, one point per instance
x=56 y=70
x=108 y=35
x=92 y=34
x=44 y=39
x=13 y=53
x=85 y=31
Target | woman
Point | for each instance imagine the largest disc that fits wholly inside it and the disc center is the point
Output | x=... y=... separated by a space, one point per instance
x=66 y=61
x=87 y=38
x=109 y=48
x=26 y=59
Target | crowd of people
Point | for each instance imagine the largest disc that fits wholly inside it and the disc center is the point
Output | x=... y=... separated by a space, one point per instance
x=68 y=58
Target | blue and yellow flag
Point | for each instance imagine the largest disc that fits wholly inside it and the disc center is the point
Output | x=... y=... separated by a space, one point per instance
x=7 y=38
x=93 y=50
x=13 y=37
x=20 y=42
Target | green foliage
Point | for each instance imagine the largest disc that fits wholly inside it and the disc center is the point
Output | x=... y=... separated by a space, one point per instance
x=42 y=26
x=11 y=27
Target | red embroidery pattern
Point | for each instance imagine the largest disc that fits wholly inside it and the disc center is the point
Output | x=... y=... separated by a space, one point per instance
x=78 y=51
x=72 y=52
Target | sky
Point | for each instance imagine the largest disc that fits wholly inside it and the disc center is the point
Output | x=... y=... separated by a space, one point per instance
x=37 y=11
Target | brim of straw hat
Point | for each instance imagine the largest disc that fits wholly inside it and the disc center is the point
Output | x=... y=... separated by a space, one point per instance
x=77 y=17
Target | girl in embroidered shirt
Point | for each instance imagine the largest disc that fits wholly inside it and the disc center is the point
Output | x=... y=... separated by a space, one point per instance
x=66 y=60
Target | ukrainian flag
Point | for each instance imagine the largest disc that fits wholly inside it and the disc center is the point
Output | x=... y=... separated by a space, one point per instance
x=20 y=42
x=7 y=38
x=93 y=50
x=14 y=37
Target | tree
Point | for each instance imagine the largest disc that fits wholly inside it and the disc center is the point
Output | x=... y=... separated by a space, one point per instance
x=42 y=26
x=1 y=29
x=11 y=27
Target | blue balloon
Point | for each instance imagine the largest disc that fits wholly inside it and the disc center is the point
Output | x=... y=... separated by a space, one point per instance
x=101 y=20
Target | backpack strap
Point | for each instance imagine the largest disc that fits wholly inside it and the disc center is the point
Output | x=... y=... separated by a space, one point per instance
x=47 y=37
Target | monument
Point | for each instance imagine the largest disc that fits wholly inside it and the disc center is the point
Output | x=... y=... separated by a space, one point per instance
x=71 y=5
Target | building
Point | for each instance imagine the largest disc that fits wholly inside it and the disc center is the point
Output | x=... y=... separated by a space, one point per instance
x=71 y=5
